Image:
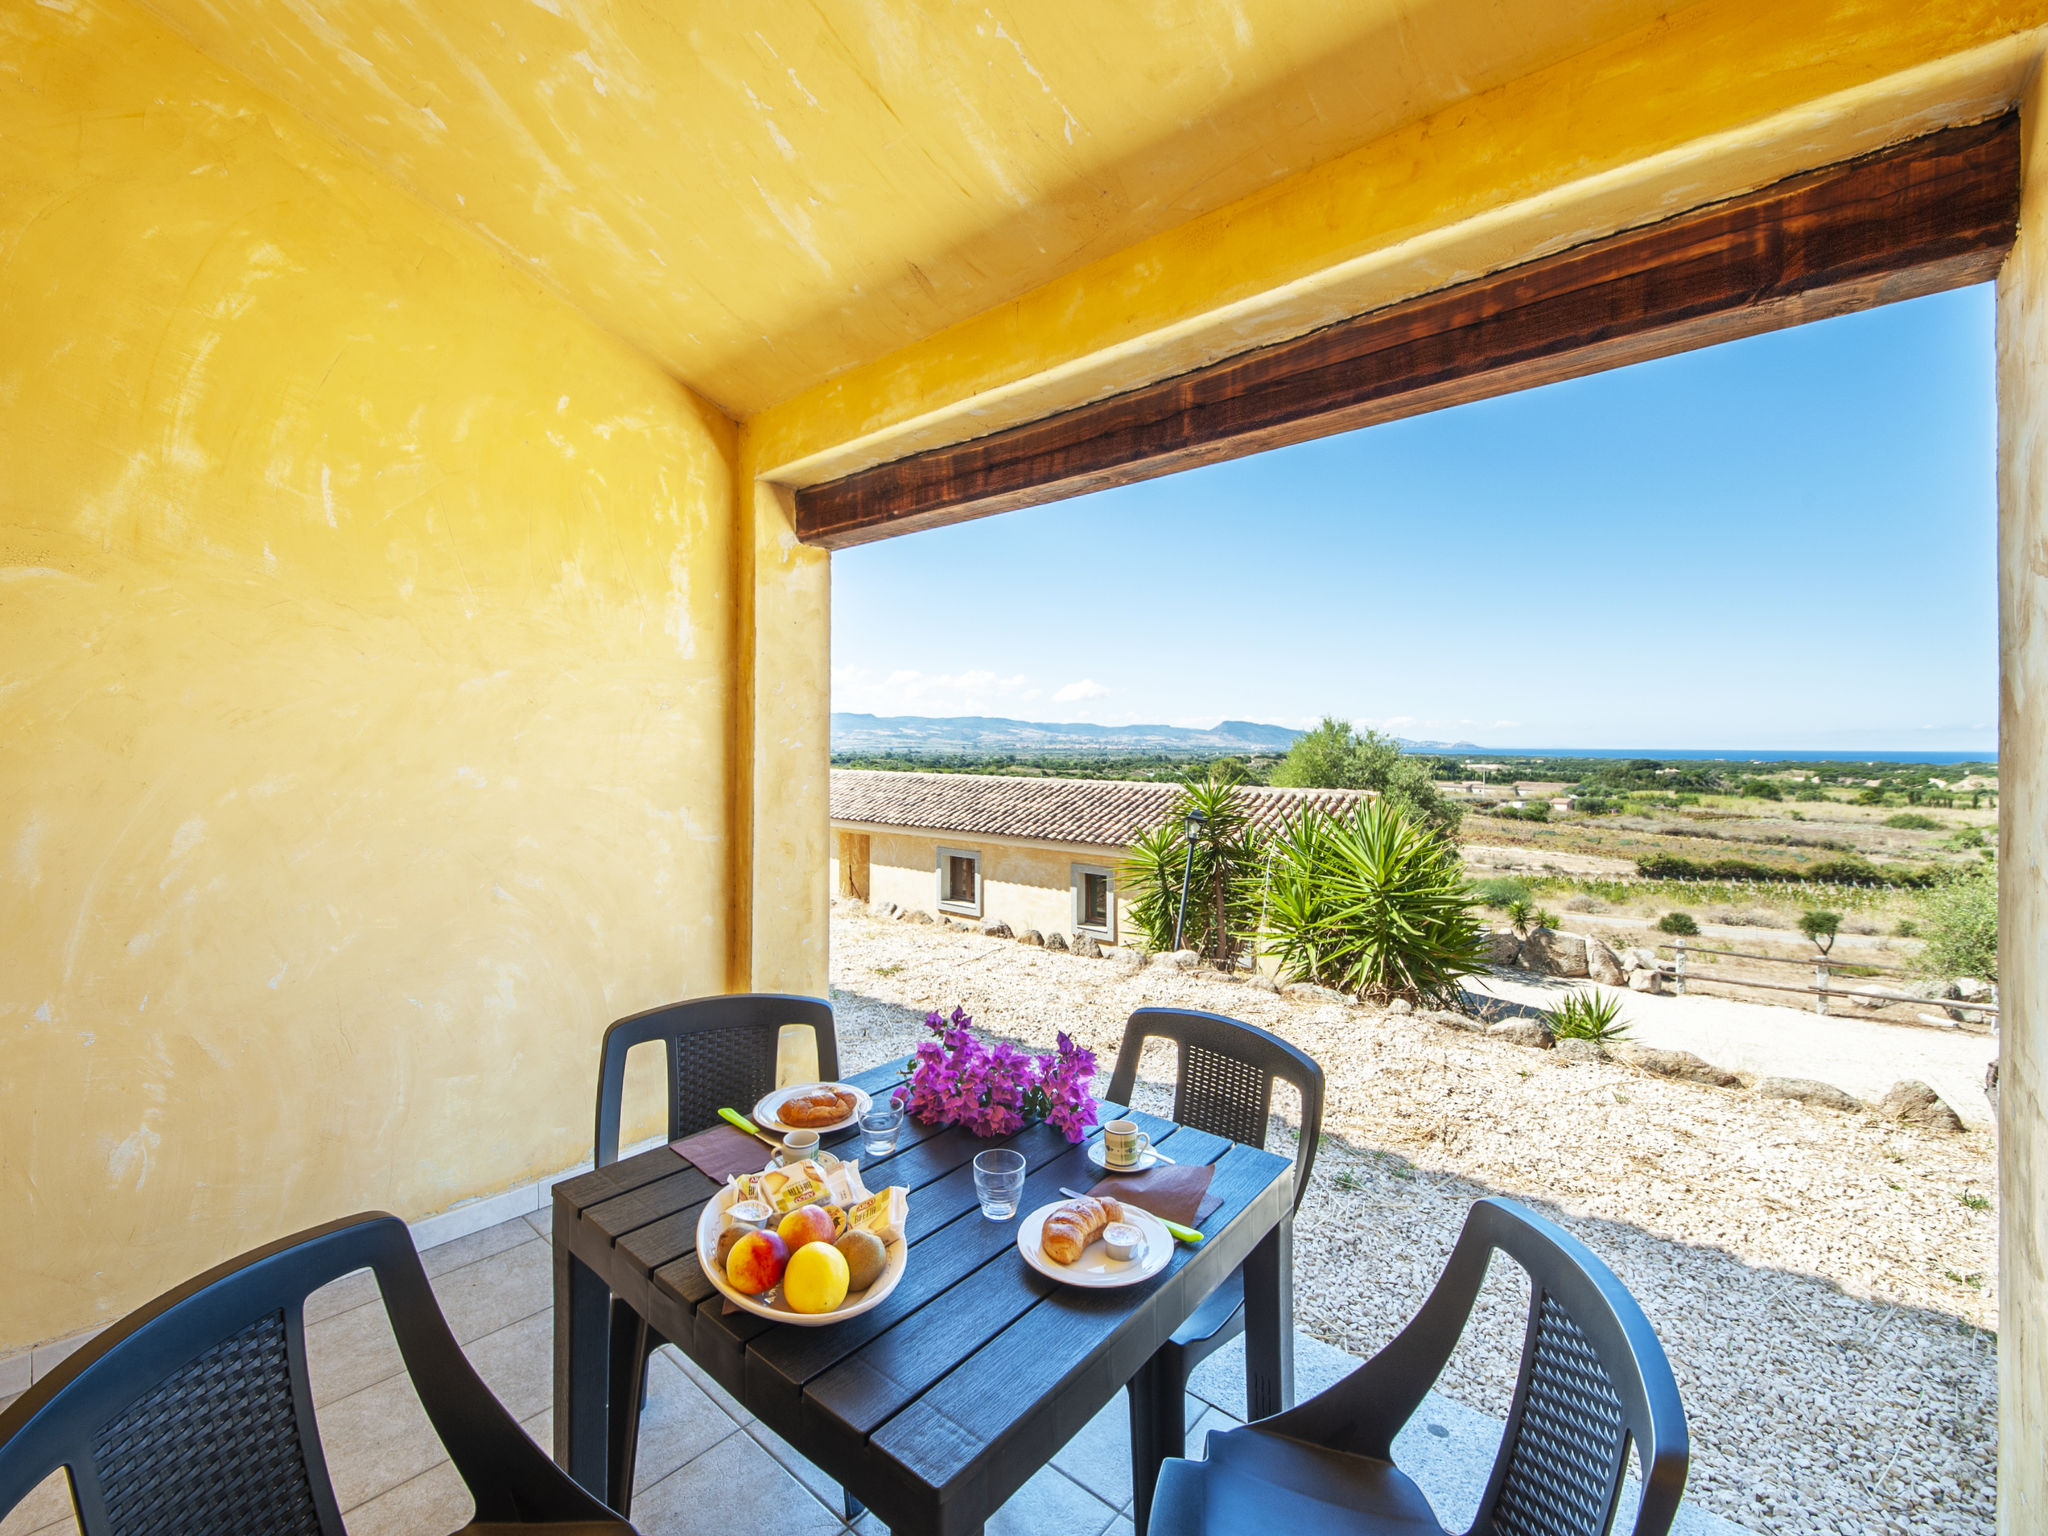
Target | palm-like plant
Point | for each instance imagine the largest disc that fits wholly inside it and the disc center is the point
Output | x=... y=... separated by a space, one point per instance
x=1222 y=892
x=1586 y=1016
x=1373 y=904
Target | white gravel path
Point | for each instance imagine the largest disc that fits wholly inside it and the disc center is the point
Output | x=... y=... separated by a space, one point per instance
x=1823 y=1283
x=1859 y=1055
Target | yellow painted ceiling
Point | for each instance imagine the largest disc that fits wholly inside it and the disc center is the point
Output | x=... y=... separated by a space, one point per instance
x=763 y=193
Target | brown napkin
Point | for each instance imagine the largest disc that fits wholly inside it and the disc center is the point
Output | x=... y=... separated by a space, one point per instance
x=1175 y=1192
x=722 y=1151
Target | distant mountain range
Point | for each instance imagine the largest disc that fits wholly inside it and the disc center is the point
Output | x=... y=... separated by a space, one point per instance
x=983 y=733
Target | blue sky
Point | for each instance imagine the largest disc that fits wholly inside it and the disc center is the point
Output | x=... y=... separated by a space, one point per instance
x=1782 y=542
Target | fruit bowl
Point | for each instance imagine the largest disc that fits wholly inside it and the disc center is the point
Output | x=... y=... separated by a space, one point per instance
x=769 y=1303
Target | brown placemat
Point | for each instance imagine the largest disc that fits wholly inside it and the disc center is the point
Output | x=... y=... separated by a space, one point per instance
x=722 y=1151
x=1177 y=1192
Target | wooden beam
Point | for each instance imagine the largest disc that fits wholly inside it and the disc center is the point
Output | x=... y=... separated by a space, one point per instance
x=1933 y=213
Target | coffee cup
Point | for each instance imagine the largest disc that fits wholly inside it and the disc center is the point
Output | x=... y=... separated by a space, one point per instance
x=1123 y=1144
x=796 y=1146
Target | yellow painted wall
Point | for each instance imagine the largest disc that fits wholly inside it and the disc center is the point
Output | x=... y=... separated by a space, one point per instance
x=365 y=704
x=1023 y=886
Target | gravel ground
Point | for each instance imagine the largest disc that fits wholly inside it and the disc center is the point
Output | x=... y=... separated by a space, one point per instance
x=1823 y=1283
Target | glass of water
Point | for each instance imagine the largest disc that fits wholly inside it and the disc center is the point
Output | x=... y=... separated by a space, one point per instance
x=999 y=1182
x=880 y=1127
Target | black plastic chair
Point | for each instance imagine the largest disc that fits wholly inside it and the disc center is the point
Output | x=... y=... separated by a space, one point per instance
x=1224 y=1086
x=721 y=1053
x=192 y=1416
x=1593 y=1379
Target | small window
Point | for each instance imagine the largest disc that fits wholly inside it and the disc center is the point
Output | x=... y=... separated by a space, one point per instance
x=1094 y=900
x=960 y=881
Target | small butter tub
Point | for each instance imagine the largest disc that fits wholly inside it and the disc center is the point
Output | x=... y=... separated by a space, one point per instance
x=750 y=1215
x=1121 y=1240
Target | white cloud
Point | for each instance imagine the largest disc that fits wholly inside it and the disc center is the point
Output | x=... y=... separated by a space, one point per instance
x=907 y=691
x=1086 y=688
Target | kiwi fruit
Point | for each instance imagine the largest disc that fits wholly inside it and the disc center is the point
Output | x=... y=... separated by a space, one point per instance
x=866 y=1257
x=726 y=1239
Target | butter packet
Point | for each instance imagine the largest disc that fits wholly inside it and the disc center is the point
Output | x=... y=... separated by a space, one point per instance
x=749 y=1186
x=801 y=1183
x=884 y=1214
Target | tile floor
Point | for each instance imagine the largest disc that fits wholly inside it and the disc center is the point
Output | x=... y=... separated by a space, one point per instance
x=704 y=1463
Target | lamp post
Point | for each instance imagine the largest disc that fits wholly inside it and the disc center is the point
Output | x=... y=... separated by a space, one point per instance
x=1194 y=823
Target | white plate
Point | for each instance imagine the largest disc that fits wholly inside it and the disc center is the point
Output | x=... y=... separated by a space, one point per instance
x=769 y=1303
x=1095 y=1268
x=764 y=1112
x=1096 y=1156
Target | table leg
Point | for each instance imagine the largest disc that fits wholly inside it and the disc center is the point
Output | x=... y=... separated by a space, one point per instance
x=1158 y=1426
x=622 y=1414
x=583 y=1366
x=1269 y=1323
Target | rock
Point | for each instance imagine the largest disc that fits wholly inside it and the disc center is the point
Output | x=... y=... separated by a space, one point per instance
x=1521 y=1032
x=1682 y=1065
x=1874 y=996
x=1604 y=965
x=1180 y=959
x=1504 y=947
x=1055 y=941
x=1400 y=1005
x=1309 y=992
x=953 y=925
x=914 y=915
x=886 y=909
x=1128 y=962
x=996 y=928
x=1914 y=1103
x=1972 y=990
x=1086 y=947
x=1579 y=1050
x=1554 y=953
x=1646 y=981
x=1032 y=937
x=1808 y=1091
x=1259 y=981
x=1449 y=1020
x=1646 y=960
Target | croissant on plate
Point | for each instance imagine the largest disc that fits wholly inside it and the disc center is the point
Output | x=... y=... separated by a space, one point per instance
x=1073 y=1226
x=815 y=1107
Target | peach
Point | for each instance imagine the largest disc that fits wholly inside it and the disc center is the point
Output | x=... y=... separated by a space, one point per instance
x=806 y=1224
x=756 y=1262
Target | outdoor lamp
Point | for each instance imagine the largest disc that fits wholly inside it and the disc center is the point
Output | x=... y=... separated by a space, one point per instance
x=1194 y=822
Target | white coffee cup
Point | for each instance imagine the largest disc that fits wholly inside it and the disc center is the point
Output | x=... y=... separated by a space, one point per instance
x=796 y=1146
x=1123 y=1144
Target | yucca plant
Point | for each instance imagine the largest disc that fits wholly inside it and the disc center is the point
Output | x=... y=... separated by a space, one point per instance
x=1586 y=1016
x=1222 y=884
x=1372 y=903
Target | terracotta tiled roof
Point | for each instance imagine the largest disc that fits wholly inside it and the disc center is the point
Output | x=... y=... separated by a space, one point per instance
x=1110 y=813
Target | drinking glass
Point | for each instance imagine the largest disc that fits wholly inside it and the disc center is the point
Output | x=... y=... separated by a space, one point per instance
x=999 y=1182
x=880 y=1127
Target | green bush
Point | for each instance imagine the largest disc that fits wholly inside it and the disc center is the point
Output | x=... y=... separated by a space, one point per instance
x=1371 y=903
x=1222 y=889
x=1679 y=922
x=1959 y=919
x=1761 y=789
x=1913 y=821
x=1667 y=866
x=1821 y=926
x=1334 y=756
x=1501 y=890
x=1586 y=1016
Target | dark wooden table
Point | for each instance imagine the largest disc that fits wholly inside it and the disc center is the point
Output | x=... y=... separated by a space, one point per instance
x=936 y=1406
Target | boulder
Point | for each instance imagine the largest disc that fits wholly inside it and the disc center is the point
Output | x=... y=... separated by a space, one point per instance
x=1033 y=937
x=1554 y=953
x=1874 y=996
x=914 y=915
x=1180 y=959
x=1579 y=1050
x=1682 y=1065
x=1129 y=961
x=1400 y=1005
x=1521 y=1032
x=1914 y=1103
x=996 y=928
x=1973 y=990
x=1807 y=1091
x=1309 y=992
x=1448 y=1020
x=1085 y=945
x=885 y=909
x=1604 y=965
x=1504 y=947
x=1646 y=981
x=1259 y=981
x=1055 y=940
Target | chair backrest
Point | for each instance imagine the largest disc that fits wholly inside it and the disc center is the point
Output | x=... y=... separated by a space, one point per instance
x=192 y=1416
x=721 y=1052
x=1593 y=1380
x=1224 y=1083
